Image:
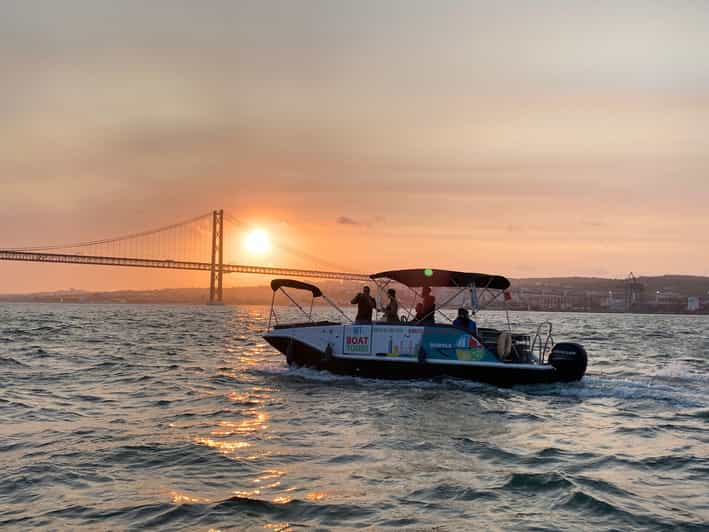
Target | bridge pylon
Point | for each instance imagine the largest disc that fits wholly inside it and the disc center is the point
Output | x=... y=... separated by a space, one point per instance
x=217 y=264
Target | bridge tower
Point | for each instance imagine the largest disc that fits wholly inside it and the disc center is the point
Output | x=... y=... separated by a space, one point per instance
x=216 y=271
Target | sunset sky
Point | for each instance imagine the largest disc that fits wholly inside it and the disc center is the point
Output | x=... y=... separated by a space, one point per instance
x=524 y=138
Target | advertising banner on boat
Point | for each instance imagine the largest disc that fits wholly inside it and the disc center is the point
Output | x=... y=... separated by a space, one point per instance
x=358 y=340
x=452 y=343
x=397 y=340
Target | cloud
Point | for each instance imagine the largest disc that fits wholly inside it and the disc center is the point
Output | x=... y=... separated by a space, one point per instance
x=345 y=220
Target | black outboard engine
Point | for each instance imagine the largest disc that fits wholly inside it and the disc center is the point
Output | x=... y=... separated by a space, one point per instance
x=569 y=360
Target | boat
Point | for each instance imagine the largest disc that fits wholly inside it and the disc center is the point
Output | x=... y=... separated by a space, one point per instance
x=427 y=347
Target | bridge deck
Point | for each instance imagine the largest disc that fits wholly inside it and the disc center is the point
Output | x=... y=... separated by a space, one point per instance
x=174 y=265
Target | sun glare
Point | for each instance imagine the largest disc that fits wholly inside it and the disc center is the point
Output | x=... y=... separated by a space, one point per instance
x=257 y=242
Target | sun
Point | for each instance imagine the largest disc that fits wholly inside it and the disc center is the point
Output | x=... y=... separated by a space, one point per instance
x=257 y=242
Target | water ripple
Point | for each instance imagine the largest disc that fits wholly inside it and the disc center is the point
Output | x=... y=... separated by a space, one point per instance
x=182 y=418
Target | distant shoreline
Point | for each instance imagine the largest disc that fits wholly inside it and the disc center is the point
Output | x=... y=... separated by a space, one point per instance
x=704 y=312
x=667 y=294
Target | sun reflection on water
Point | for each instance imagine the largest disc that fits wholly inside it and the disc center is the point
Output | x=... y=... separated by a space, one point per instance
x=268 y=475
x=278 y=527
x=268 y=484
x=225 y=447
x=183 y=498
x=246 y=494
x=247 y=426
x=244 y=398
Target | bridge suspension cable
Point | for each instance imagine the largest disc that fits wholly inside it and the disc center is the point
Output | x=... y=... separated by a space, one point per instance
x=130 y=236
x=185 y=245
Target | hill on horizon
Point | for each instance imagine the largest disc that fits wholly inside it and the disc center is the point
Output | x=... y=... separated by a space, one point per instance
x=682 y=285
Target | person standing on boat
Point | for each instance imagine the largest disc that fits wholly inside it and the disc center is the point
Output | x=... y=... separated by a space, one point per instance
x=464 y=322
x=391 y=311
x=429 y=306
x=365 y=306
x=419 y=311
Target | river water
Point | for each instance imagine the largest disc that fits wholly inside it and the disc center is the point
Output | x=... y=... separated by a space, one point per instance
x=115 y=417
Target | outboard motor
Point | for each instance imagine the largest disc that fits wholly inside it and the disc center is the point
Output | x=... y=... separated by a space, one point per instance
x=569 y=360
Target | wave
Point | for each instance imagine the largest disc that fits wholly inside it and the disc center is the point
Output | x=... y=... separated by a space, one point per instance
x=681 y=371
x=591 y=387
x=598 y=510
x=303 y=374
x=450 y=492
x=537 y=482
x=113 y=427
x=12 y=362
x=234 y=511
x=599 y=387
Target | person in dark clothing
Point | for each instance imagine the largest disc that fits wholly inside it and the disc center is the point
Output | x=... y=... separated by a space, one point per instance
x=391 y=311
x=464 y=322
x=365 y=306
x=419 y=312
x=429 y=306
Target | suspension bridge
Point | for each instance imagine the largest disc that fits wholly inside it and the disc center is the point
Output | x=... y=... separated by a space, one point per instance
x=196 y=244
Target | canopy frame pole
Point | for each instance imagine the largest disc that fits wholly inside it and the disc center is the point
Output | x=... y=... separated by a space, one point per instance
x=337 y=308
x=438 y=310
x=271 y=313
x=295 y=303
x=411 y=309
x=474 y=300
x=486 y=290
x=380 y=292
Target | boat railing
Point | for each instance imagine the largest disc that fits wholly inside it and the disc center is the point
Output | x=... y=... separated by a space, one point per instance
x=544 y=338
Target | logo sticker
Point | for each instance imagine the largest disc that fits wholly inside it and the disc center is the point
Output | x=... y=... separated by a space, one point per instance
x=358 y=340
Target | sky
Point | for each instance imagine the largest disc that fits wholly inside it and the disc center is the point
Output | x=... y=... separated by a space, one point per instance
x=540 y=138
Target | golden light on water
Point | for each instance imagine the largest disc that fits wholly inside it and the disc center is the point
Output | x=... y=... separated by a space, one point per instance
x=247 y=426
x=278 y=527
x=243 y=397
x=268 y=475
x=268 y=484
x=225 y=447
x=182 y=498
x=246 y=494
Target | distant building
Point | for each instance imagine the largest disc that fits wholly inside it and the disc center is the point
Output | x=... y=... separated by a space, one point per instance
x=614 y=303
x=667 y=297
x=693 y=304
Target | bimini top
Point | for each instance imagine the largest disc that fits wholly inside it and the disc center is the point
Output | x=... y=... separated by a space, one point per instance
x=298 y=285
x=432 y=278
